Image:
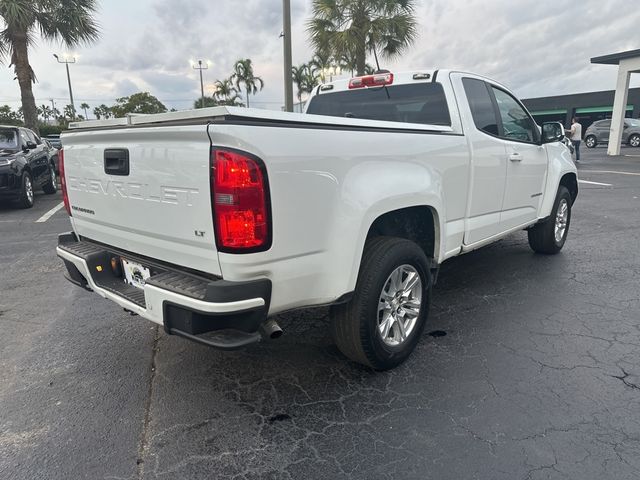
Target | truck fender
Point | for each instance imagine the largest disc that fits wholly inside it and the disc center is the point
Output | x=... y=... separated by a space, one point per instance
x=561 y=170
x=373 y=189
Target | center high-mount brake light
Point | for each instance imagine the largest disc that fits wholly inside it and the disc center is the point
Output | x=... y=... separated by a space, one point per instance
x=240 y=202
x=63 y=181
x=376 y=80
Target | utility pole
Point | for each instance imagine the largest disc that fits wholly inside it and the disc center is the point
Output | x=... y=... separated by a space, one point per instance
x=201 y=66
x=66 y=62
x=288 y=66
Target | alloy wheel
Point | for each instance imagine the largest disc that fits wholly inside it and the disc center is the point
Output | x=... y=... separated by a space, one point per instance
x=28 y=187
x=562 y=218
x=399 y=305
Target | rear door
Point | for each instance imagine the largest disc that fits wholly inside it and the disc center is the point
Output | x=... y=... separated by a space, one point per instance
x=41 y=158
x=145 y=190
x=527 y=161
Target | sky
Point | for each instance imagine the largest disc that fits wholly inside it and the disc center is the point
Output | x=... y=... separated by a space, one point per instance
x=537 y=48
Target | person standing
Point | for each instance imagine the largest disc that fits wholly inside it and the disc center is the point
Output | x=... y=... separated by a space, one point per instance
x=575 y=135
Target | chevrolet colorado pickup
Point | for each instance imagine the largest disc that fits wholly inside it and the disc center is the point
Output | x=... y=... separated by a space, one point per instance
x=210 y=222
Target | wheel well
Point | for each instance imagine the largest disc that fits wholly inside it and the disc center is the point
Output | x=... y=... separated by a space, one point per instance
x=413 y=223
x=570 y=181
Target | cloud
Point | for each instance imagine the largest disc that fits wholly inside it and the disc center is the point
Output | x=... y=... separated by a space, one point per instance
x=536 y=47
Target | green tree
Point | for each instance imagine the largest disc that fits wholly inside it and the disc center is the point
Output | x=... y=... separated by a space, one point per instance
x=299 y=75
x=226 y=93
x=243 y=75
x=208 y=102
x=46 y=112
x=85 y=106
x=67 y=21
x=102 y=111
x=69 y=112
x=141 y=102
x=358 y=27
x=8 y=116
x=306 y=78
x=322 y=60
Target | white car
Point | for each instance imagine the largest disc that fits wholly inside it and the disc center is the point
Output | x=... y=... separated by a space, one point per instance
x=210 y=222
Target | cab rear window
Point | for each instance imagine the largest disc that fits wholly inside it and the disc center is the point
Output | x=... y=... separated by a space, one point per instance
x=423 y=103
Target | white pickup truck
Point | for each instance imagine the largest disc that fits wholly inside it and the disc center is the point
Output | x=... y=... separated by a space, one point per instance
x=210 y=222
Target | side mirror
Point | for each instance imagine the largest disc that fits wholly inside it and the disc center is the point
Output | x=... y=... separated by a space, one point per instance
x=552 y=132
x=31 y=145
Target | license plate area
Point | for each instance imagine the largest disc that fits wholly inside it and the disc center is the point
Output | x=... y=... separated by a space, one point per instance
x=134 y=273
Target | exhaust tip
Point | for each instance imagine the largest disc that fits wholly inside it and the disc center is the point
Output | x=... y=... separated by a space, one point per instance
x=276 y=334
x=270 y=330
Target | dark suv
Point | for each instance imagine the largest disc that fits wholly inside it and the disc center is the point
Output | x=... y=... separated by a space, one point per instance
x=26 y=163
x=598 y=132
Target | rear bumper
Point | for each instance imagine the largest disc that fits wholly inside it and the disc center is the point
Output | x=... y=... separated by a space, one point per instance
x=183 y=303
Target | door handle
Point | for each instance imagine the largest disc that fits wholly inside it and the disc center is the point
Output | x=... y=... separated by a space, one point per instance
x=515 y=157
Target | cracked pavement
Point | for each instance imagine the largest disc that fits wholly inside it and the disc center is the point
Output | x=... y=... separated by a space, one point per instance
x=537 y=377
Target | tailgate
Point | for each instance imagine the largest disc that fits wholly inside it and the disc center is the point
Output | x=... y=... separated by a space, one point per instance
x=145 y=190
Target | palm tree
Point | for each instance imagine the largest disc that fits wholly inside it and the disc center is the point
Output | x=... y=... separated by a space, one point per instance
x=299 y=75
x=85 y=107
x=363 y=26
x=226 y=93
x=67 y=21
x=243 y=75
x=102 y=111
x=46 y=112
x=322 y=60
x=69 y=112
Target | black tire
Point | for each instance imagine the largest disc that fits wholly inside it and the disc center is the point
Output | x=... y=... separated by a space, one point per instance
x=542 y=237
x=25 y=200
x=634 y=140
x=51 y=186
x=591 y=141
x=355 y=325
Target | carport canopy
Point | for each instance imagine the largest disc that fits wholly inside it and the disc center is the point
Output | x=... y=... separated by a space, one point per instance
x=628 y=62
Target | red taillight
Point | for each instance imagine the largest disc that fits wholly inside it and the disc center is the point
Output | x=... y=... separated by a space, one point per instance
x=377 y=80
x=63 y=181
x=240 y=201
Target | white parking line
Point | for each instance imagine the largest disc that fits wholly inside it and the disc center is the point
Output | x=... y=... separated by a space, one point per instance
x=609 y=171
x=595 y=183
x=50 y=213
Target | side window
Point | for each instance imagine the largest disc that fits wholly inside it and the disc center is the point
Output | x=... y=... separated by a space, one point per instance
x=31 y=136
x=484 y=115
x=516 y=122
x=23 y=137
x=605 y=124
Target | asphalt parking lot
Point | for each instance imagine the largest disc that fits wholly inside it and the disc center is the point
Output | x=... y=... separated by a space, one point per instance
x=529 y=369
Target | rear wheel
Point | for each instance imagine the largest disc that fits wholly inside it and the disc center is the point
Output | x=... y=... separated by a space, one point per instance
x=634 y=140
x=591 y=141
x=51 y=186
x=25 y=200
x=383 y=322
x=550 y=236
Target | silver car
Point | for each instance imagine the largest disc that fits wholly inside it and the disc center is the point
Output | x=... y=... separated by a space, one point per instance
x=598 y=132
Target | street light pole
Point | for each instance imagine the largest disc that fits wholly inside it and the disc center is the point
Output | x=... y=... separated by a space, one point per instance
x=288 y=64
x=201 y=66
x=66 y=61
